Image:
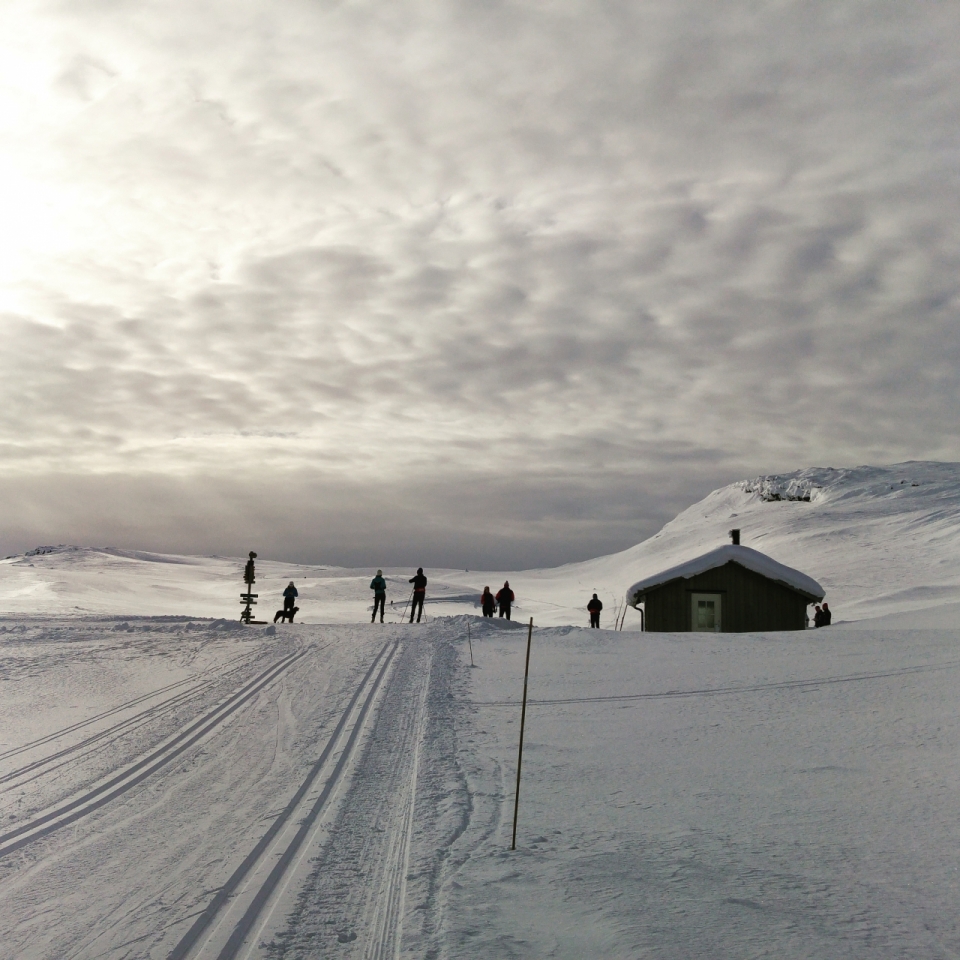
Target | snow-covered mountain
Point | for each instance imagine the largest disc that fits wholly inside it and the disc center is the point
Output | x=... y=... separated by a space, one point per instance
x=881 y=540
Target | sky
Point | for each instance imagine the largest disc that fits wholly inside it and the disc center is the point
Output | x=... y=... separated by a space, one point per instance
x=462 y=283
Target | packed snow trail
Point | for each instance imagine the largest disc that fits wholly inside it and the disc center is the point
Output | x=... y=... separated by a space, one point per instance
x=351 y=900
x=81 y=806
x=145 y=841
x=54 y=761
x=216 y=839
x=303 y=809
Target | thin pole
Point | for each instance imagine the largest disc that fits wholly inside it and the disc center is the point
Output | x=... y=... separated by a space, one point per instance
x=523 y=719
x=470 y=643
x=403 y=616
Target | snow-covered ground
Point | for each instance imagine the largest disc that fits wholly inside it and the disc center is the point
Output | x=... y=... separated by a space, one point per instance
x=175 y=784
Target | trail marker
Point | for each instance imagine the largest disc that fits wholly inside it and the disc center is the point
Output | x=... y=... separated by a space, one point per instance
x=523 y=719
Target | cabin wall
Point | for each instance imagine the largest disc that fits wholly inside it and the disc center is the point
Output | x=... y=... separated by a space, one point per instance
x=749 y=602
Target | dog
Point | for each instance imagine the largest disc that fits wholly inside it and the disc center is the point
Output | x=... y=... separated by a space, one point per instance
x=283 y=615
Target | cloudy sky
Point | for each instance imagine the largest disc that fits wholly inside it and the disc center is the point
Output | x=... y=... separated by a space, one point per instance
x=464 y=282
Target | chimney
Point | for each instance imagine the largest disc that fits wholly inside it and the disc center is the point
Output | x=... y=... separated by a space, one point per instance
x=735 y=537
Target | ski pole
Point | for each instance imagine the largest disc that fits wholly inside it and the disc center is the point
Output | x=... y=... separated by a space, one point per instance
x=403 y=616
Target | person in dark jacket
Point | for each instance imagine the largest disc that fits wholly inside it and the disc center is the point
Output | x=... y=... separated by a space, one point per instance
x=505 y=597
x=826 y=614
x=487 y=602
x=290 y=608
x=379 y=587
x=595 y=606
x=817 y=616
x=419 y=592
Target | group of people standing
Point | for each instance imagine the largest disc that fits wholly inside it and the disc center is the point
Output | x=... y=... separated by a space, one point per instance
x=503 y=599
x=822 y=615
x=489 y=602
x=379 y=587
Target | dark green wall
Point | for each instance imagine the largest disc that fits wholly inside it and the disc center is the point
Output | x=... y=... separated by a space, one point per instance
x=749 y=602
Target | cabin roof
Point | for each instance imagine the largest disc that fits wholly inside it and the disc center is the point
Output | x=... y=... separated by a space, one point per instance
x=745 y=556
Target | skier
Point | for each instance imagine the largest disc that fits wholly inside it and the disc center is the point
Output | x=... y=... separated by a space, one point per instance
x=595 y=606
x=505 y=597
x=826 y=614
x=487 y=602
x=379 y=587
x=419 y=592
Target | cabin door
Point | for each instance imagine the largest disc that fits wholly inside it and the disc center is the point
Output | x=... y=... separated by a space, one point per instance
x=705 y=615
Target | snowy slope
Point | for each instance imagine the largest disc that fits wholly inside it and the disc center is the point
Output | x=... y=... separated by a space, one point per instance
x=880 y=540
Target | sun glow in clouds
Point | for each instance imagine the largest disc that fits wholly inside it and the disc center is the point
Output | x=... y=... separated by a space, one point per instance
x=576 y=251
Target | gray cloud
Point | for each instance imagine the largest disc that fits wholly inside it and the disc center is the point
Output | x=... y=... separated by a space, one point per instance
x=545 y=256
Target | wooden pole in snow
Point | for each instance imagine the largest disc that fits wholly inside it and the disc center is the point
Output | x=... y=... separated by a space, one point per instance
x=523 y=719
x=470 y=643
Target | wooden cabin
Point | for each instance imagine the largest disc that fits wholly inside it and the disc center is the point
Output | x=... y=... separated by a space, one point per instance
x=732 y=589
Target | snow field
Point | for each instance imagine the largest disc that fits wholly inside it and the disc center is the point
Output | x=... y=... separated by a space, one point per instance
x=787 y=795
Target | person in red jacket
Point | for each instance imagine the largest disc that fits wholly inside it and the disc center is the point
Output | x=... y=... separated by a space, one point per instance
x=505 y=597
x=419 y=592
x=487 y=602
x=595 y=606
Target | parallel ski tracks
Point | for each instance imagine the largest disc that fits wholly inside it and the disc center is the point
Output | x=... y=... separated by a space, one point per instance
x=195 y=686
x=386 y=919
x=125 y=780
x=228 y=927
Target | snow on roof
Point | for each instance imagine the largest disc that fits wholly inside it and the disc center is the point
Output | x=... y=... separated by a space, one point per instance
x=751 y=559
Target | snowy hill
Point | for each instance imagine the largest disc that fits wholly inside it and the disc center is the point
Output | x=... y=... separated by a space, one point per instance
x=881 y=540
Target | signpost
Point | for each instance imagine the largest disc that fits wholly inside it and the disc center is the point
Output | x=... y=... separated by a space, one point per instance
x=248 y=597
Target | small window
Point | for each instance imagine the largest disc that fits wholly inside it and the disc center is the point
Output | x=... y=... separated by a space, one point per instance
x=705 y=614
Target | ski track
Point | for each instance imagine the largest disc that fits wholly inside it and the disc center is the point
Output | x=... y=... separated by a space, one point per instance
x=236 y=896
x=46 y=823
x=359 y=813
x=354 y=902
x=207 y=683
x=156 y=788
